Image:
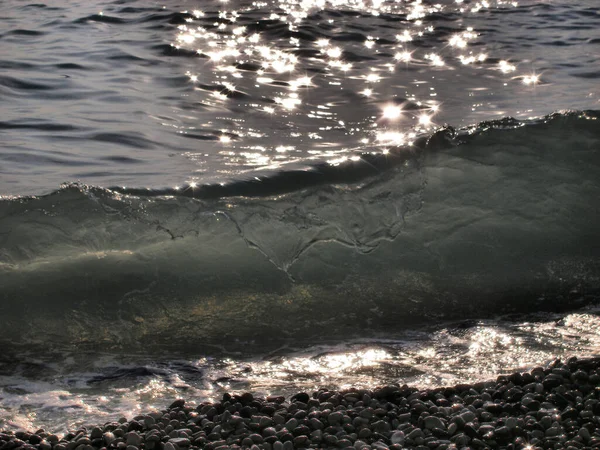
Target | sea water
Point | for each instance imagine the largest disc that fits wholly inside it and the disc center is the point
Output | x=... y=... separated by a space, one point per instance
x=200 y=197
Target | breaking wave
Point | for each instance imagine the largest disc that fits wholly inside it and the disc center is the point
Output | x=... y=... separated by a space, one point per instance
x=466 y=223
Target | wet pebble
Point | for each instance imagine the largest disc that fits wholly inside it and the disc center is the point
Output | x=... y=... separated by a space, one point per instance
x=553 y=407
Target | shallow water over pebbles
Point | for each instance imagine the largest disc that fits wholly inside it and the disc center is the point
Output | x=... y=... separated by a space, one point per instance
x=61 y=392
x=358 y=249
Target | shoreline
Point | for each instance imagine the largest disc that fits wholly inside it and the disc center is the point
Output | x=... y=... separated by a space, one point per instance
x=557 y=406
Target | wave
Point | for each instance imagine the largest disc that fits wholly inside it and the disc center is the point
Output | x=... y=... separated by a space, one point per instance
x=490 y=219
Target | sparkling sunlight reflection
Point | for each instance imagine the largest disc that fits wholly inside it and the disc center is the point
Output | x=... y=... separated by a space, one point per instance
x=253 y=59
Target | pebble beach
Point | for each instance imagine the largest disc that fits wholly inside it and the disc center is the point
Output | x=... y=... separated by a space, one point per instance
x=552 y=407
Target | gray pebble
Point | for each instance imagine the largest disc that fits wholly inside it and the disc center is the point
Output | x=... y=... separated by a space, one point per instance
x=132 y=438
x=397 y=438
x=335 y=418
x=291 y=424
x=432 y=422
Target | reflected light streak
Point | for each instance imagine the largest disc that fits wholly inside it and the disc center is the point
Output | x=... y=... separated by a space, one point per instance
x=506 y=67
x=531 y=79
x=391 y=138
x=435 y=59
x=334 y=52
x=256 y=59
x=289 y=102
x=404 y=37
x=392 y=112
x=424 y=120
x=403 y=56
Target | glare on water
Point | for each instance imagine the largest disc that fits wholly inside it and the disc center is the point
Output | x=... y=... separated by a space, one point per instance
x=292 y=75
x=98 y=388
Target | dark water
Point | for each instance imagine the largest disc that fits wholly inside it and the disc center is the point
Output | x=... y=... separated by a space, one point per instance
x=208 y=196
x=142 y=94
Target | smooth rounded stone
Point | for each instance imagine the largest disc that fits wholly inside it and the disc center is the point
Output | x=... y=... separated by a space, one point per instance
x=83 y=447
x=45 y=445
x=269 y=431
x=72 y=445
x=360 y=445
x=365 y=433
x=418 y=407
x=315 y=423
x=302 y=397
x=179 y=403
x=431 y=422
x=301 y=429
x=132 y=438
x=414 y=434
x=397 y=437
x=291 y=424
x=316 y=436
x=467 y=416
x=461 y=440
x=236 y=421
x=381 y=426
x=503 y=432
x=278 y=419
x=14 y=443
x=169 y=446
x=335 y=418
x=538 y=434
x=584 y=433
x=288 y=445
x=367 y=413
x=96 y=433
x=22 y=435
x=180 y=442
x=345 y=443
x=256 y=438
x=552 y=381
x=266 y=422
x=130 y=447
x=284 y=435
x=553 y=431
x=351 y=398
x=379 y=445
x=34 y=439
x=148 y=421
x=485 y=430
x=301 y=441
x=385 y=392
x=331 y=439
x=546 y=422
x=531 y=404
x=470 y=430
x=511 y=423
x=277 y=445
x=402 y=418
x=493 y=408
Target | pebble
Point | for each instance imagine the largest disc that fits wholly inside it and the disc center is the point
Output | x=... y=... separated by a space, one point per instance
x=555 y=407
x=432 y=422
